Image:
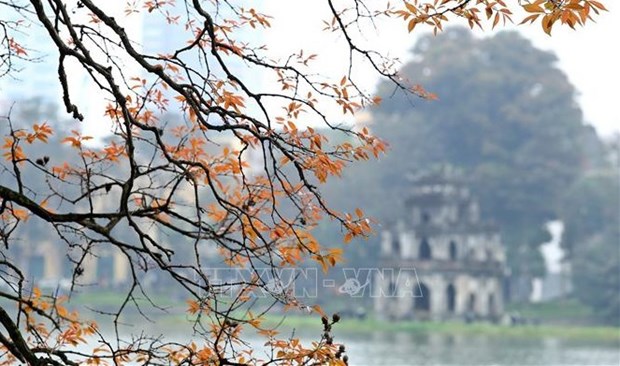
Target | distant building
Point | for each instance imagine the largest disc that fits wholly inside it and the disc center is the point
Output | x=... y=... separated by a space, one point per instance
x=46 y=260
x=440 y=261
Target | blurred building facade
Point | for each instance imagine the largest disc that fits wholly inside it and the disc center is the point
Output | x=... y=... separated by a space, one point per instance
x=443 y=261
x=48 y=261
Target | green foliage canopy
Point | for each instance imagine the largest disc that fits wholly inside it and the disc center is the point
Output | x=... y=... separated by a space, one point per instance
x=505 y=115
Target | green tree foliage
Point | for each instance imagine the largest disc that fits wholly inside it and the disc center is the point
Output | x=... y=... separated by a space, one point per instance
x=591 y=212
x=505 y=115
x=596 y=274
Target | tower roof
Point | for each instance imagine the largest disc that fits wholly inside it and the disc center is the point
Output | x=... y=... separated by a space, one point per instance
x=438 y=186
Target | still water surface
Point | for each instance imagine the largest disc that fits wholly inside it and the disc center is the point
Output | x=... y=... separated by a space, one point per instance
x=440 y=349
x=408 y=348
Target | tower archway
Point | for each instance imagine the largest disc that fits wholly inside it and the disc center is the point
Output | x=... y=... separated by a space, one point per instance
x=452 y=249
x=492 y=305
x=425 y=249
x=396 y=244
x=451 y=298
x=471 y=303
x=423 y=301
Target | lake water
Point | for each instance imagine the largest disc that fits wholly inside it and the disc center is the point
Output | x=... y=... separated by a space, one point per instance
x=408 y=348
x=441 y=349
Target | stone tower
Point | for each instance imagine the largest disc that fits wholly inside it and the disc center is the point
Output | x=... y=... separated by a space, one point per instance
x=440 y=261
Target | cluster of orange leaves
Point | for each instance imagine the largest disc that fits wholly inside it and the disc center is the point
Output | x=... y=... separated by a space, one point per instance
x=289 y=351
x=67 y=331
x=13 y=150
x=13 y=213
x=341 y=91
x=17 y=48
x=435 y=13
x=570 y=12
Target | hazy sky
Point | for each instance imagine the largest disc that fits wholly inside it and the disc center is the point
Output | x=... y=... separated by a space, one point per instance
x=587 y=55
x=592 y=63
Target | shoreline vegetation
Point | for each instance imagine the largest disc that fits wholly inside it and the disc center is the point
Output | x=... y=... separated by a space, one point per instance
x=306 y=323
x=547 y=313
x=598 y=332
x=302 y=324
